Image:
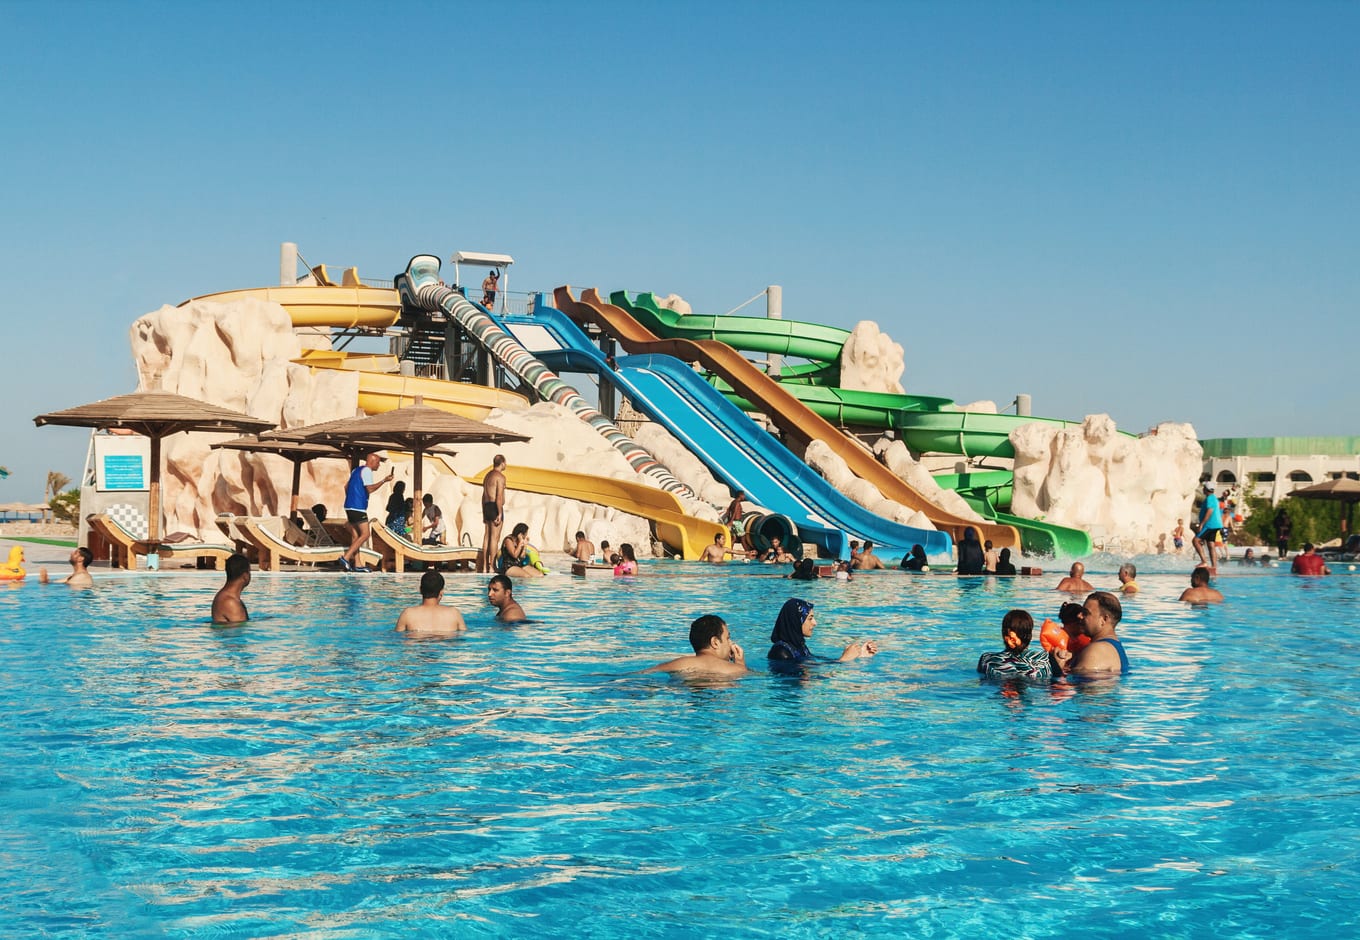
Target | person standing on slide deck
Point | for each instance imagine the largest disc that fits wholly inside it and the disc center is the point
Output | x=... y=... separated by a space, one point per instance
x=493 y=512
x=362 y=483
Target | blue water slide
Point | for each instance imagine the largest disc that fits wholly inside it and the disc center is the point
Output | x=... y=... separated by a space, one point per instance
x=736 y=449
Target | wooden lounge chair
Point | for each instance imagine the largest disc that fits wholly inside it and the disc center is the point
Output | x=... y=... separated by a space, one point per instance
x=127 y=541
x=266 y=534
x=397 y=550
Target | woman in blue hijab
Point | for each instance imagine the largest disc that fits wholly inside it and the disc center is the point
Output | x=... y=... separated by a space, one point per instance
x=794 y=625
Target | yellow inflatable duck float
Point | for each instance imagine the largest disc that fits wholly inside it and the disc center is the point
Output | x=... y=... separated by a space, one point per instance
x=13 y=570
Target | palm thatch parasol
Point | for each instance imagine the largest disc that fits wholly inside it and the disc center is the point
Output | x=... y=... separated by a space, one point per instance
x=1343 y=490
x=155 y=415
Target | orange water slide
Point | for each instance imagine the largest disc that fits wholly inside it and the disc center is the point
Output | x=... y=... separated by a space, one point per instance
x=799 y=425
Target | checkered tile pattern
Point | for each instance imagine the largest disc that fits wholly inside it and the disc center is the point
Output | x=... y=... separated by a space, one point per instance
x=130 y=518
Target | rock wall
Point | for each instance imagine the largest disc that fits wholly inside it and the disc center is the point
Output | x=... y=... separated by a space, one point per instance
x=1127 y=492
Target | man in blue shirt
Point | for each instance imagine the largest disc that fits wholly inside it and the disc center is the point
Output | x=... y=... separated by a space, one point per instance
x=1208 y=529
x=362 y=482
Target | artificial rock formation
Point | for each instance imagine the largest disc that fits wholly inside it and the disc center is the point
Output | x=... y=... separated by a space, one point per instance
x=871 y=361
x=1127 y=492
x=833 y=467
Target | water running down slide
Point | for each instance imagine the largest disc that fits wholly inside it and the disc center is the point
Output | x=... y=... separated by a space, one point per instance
x=735 y=448
x=798 y=425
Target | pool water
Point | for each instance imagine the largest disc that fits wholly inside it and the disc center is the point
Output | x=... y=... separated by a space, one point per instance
x=314 y=774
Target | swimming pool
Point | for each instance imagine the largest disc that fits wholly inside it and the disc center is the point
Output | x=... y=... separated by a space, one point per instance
x=314 y=774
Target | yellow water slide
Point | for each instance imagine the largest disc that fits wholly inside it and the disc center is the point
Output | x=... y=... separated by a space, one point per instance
x=683 y=533
x=382 y=389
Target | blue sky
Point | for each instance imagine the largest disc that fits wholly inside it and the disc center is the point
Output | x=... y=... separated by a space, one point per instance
x=1142 y=209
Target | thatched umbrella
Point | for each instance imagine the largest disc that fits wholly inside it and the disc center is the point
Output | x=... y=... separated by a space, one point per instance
x=155 y=415
x=1344 y=490
x=417 y=428
x=296 y=452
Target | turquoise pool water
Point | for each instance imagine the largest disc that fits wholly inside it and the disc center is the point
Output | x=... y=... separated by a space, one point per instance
x=314 y=774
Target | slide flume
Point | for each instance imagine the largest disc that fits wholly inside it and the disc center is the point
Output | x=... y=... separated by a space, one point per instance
x=798 y=425
x=736 y=449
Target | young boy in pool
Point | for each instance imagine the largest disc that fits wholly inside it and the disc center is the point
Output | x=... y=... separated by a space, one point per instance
x=1017 y=660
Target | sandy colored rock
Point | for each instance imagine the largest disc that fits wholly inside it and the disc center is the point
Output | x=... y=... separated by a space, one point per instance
x=871 y=361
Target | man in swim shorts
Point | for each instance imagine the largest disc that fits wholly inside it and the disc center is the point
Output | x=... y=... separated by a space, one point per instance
x=430 y=617
x=493 y=512
x=362 y=482
x=1199 y=591
x=81 y=559
x=500 y=594
x=1075 y=581
x=714 y=651
x=1209 y=529
x=227 y=606
x=776 y=554
x=1105 y=655
x=585 y=551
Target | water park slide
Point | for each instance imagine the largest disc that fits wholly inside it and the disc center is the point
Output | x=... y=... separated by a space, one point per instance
x=684 y=534
x=735 y=448
x=799 y=425
x=308 y=305
x=381 y=390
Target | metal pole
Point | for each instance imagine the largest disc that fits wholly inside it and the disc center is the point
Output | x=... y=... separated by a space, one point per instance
x=288 y=258
x=1023 y=405
x=774 y=310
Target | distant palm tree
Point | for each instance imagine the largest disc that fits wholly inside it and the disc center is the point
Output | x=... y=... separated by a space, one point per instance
x=56 y=483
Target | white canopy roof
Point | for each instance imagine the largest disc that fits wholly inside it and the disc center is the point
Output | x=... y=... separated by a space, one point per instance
x=484 y=258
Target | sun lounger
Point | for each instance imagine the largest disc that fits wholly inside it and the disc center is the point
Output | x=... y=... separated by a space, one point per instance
x=266 y=534
x=397 y=550
x=126 y=544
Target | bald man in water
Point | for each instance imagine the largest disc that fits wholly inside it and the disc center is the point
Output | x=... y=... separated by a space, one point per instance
x=1075 y=582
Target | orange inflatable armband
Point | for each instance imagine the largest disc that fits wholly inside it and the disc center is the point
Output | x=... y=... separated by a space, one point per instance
x=1052 y=636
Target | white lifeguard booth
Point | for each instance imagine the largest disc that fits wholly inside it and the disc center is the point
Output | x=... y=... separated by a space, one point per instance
x=483 y=259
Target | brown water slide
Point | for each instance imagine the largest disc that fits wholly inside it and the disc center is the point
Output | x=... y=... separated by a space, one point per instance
x=799 y=425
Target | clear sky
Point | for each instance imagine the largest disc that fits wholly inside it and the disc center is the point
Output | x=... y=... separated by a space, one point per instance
x=1143 y=209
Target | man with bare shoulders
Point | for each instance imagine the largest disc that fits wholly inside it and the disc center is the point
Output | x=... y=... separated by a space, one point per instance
x=777 y=554
x=718 y=552
x=1104 y=656
x=80 y=559
x=493 y=512
x=227 y=606
x=500 y=594
x=1199 y=591
x=585 y=549
x=714 y=651
x=867 y=560
x=430 y=617
x=1075 y=582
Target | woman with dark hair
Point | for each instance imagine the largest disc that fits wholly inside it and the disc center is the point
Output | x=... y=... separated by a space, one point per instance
x=971 y=557
x=805 y=569
x=627 y=561
x=915 y=560
x=1004 y=566
x=794 y=625
x=396 y=508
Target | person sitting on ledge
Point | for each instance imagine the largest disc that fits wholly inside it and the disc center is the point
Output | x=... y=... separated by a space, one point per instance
x=970 y=554
x=1003 y=563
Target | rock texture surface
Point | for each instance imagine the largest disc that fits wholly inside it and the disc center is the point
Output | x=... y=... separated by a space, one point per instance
x=1127 y=492
x=871 y=361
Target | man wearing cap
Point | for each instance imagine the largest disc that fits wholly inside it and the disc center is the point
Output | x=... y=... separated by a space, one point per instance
x=362 y=482
x=1208 y=528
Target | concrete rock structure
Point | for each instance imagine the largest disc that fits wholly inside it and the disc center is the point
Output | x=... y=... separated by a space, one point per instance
x=1127 y=492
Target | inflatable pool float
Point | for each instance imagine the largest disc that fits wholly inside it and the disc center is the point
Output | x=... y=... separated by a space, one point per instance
x=13 y=570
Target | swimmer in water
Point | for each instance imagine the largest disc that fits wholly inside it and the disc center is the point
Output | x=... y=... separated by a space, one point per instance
x=500 y=594
x=1104 y=656
x=1127 y=573
x=80 y=559
x=1017 y=660
x=794 y=625
x=430 y=617
x=1199 y=591
x=1075 y=581
x=714 y=651
x=227 y=606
